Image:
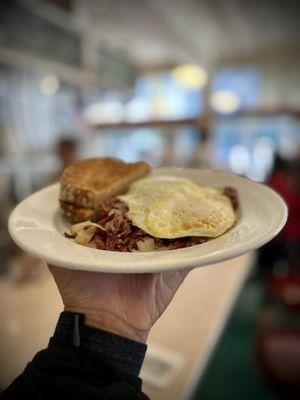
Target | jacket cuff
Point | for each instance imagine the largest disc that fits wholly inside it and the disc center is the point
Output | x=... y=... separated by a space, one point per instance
x=122 y=353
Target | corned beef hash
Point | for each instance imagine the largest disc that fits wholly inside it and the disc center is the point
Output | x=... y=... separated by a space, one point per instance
x=117 y=208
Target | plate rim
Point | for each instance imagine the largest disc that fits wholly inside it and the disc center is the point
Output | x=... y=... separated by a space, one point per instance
x=132 y=266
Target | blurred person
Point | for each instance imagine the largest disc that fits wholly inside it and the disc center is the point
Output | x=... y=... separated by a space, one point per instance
x=278 y=358
x=285 y=179
x=66 y=150
x=277 y=179
x=289 y=237
x=99 y=343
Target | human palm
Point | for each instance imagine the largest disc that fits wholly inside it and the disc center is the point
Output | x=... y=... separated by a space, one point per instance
x=127 y=304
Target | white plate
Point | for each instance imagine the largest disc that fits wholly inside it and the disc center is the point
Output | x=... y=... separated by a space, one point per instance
x=37 y=226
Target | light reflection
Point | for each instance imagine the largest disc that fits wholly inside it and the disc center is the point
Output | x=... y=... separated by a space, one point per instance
x=49 y=84
x=104 y=112
x=190 y=76
x=239 y=159
x=225 y=101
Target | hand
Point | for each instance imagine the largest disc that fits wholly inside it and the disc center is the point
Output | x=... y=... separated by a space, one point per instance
x=126 y=304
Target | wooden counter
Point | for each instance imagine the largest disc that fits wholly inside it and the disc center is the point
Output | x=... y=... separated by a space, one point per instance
x=187 y=332
x=194 y=321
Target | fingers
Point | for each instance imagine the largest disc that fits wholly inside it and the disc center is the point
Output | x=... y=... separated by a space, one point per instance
x=52 y=267
x=58 y=273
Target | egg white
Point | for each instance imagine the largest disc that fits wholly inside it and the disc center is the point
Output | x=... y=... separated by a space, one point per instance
x=177 y=208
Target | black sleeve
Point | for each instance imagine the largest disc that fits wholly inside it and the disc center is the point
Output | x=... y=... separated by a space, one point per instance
x=104 y=366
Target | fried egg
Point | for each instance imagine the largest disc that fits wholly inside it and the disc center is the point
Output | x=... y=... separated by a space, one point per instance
x=169 y=209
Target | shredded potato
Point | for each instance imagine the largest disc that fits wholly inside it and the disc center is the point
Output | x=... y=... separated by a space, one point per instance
x=147 y=244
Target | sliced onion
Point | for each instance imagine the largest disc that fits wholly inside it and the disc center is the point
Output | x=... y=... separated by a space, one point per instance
x=83 y=237
x=78 y=227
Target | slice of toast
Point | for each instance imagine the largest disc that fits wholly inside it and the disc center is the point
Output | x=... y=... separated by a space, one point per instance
x=90 y=182
x=76 y=214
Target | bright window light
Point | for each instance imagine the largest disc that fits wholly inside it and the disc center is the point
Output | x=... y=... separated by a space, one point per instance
x=225 y=101
x=137 y=110
x=190 y=76
x=239 y=159
x=49 y=84
x=104 y=112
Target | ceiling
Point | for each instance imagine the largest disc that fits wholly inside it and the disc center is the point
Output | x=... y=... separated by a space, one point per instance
x=156 y=34
x=159 y=32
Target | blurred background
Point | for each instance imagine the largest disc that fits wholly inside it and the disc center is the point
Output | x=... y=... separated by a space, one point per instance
x=185 y=83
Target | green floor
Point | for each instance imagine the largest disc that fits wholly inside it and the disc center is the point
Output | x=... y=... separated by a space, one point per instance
x=231 y=373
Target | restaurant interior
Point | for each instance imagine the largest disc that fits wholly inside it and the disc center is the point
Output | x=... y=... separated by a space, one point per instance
x=180 y=83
